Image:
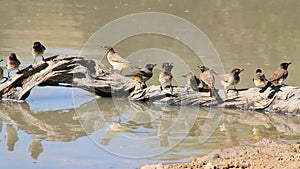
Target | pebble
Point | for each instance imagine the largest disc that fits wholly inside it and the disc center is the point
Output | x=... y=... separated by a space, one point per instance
x=279 y=158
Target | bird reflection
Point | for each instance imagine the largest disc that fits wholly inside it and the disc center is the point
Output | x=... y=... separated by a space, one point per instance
x=36 y=148
x=11 y=137
x=230 y=131
x=191 y=123
x=1 y=123
x=140 y=120
x=256 y=134
x=231 y=135
x=112 y=132
x=141 y=116
x=163 y=129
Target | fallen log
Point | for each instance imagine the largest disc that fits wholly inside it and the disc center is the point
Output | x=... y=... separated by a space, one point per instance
x=87 y=74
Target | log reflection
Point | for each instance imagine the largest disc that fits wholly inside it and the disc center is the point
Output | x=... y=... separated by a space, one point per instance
x=200 y=127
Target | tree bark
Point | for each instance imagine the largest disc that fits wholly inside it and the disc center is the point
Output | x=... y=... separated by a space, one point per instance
x=78 y=71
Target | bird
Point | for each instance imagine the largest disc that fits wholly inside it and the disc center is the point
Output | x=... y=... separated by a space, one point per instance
x=165 y=77
x=13 y=63
x=143 y=74
x=230 y=79
x=38 y=50
x=116 y=60
x=277 y=78
x=1 y=71
x=207 y=79
x=192 y=81
x=259 y=78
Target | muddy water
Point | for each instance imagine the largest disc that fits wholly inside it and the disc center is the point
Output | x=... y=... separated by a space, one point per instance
x=73 y=129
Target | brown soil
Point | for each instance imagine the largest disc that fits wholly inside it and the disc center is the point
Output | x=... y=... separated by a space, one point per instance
x=264 y=154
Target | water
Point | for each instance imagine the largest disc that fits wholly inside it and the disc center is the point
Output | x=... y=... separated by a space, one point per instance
x=65 y=128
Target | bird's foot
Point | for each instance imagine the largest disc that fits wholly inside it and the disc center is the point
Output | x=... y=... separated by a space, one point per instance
x=171 y=89
x=187 y=90
x=237 y=92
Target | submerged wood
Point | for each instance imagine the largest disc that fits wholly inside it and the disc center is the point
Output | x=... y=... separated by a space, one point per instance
x=87 y=74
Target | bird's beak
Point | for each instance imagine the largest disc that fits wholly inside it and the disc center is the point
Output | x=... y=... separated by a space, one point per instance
x=290 y=63
x=1 y=60
x=241 y=70
x=198 y=66
x=154 y=65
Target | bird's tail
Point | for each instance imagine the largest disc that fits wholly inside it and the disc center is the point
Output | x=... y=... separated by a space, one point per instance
x=132 y=66
x=214 y=93
x=132 y=75
x=265 y=87
x=214 y=72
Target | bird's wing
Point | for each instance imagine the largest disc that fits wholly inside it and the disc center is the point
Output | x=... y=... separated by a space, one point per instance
x=208 y=78
x=279 y=73
x=265 y=78
x=197 y=80
x=117 y=58
x=145 y=72
x=142 y=72
x=262 y=77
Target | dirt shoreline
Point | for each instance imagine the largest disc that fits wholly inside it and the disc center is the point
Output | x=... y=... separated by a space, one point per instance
x=263 y=154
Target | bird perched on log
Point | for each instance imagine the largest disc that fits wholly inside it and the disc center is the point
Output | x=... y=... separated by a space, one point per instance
x=1 y=71
x=208 y=79
x=38 y=50
x=143 y=74
x=231 y=79
x=259 y=78
x=13 y=63
x=277 y=78
x=116 y=60
x=165 y=77
x=192 y=81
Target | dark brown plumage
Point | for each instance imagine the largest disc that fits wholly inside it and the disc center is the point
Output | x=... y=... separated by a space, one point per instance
x=192 y=81
x=38 y=50
x=143 y=74
x=13 y=63
x=277 y=78
x=1 y=71
x=207 y=78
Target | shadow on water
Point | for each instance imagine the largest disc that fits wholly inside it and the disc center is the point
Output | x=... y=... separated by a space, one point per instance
x=179 y=130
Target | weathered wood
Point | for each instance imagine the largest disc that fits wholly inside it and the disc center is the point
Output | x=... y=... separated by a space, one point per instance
x=87 y=74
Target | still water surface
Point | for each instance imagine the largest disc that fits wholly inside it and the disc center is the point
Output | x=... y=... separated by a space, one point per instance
x=64 y=128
